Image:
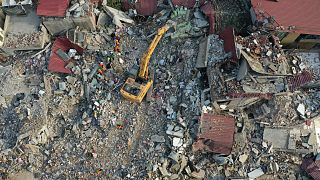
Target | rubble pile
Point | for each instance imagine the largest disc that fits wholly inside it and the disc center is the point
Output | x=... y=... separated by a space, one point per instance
x=206 y=115
x=265 y=49
x=23 y=40
x=216 y=52
x=79 y=8
x=266 y=96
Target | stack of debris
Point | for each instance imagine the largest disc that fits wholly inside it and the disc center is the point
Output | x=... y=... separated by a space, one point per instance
x=237 y=108
x=81 y=8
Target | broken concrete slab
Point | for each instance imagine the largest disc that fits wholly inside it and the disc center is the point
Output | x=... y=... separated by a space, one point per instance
x=243 y=158
x=278 y=137
x=118 y=16
x=255 y=174
x=178 y=133
x=31 y=37
x=174 y=156
x=103 y=20
x=157 y=138
x=202 y=59
x=177 y=142
x=198 y=175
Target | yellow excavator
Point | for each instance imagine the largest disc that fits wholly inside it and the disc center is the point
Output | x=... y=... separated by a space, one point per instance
x=136 y=87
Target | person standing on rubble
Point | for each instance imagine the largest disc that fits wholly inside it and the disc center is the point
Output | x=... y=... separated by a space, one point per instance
x=109 y=59
x=117 y=42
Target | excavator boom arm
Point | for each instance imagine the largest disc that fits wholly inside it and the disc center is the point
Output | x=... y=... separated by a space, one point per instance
x=143 y=72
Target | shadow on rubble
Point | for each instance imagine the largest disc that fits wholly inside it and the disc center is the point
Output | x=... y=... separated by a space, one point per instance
x=11 y=122
x=230 y=13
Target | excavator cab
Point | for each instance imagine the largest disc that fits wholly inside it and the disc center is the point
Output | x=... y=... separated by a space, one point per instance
x=137 y=86
x=135 y=91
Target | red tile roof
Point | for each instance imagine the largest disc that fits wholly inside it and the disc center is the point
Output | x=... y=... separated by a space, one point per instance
x=215 y=134
x=186 y=3
x=56 y=8
x=56 y=64
x=310 y=166
x=229 y=42
x=146 y=7
x=295 y=82
x=209 y=11
x=301 y=16
x=143 y=7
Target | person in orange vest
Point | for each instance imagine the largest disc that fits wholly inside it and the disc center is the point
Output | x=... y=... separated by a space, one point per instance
x=120 y=125
x=102 y=71
x=117 y=43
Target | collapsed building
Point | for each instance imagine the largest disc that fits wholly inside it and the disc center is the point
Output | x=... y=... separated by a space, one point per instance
x=223 y=105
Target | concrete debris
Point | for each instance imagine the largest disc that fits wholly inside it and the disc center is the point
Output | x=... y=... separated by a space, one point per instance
x=63 y=55
x=216 y=51
x=301 y=109
x=255 y=174
x=175 y=131
x=62 y=86
x=198 y=175
x=177 y=142
x=118 y=16
x=243 y=158
x=14 y=3
x=221 y=160
x=157 y=138
x=225 y=106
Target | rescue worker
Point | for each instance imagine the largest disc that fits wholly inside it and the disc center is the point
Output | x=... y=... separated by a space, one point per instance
x=102 y=71
x=117 y=43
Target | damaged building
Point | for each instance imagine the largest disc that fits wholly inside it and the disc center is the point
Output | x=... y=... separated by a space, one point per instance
x=287 y=19
x=153 y=89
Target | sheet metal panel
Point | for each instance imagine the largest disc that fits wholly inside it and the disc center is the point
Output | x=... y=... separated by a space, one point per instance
x=55 y=8
x=229 y=42
x=209 y=11
x=216 y=134
x=143 y=7
x=297 y=81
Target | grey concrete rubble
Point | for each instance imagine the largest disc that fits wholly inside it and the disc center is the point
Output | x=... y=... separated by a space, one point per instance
x=209 y=115
x=157 y=138
x=118 y=16
x=256 y=173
